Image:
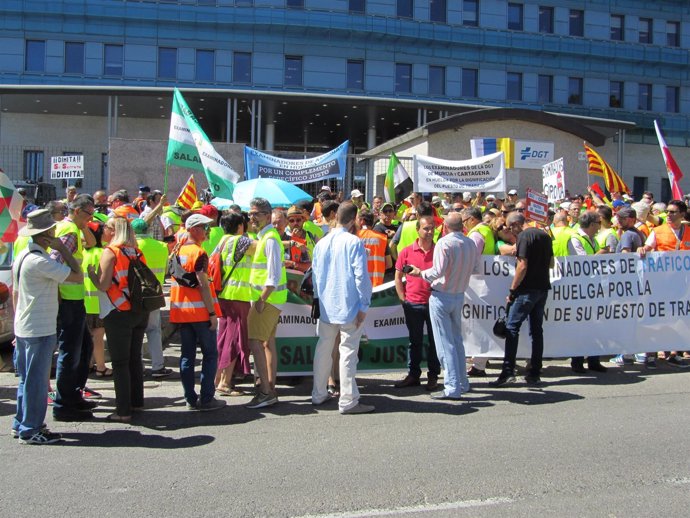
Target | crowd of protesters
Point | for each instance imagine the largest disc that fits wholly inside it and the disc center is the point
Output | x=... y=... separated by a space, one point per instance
x=228 y=285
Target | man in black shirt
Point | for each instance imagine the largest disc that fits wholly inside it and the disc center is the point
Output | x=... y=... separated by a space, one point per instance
x=527 y=297
x=385 y=223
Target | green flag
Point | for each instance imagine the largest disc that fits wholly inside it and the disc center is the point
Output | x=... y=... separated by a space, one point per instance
x=397 y=184
x=188 y=146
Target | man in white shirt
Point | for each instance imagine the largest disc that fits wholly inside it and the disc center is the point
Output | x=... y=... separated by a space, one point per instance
x=35 y=299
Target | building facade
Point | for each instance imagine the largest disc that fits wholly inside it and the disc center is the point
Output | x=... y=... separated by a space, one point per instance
x=301 y=76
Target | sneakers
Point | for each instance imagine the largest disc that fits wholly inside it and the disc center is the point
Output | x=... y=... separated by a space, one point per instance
x=674 y=361
x=621 y=360
x=51 y=397
x=359 y=408
x=41 y=437
x=212 y=404
x=502 y=381
x=15 y=432
x=89 y=393
x=192 y=406
x=262 y=400
x=533 y=379
x=161 y=373
x=85 y=404
x=474 y=372
x=650 y=363
x=641 y=358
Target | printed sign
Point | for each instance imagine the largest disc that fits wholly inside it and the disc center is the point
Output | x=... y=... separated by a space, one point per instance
x=536 y=206
x=554 y=180
x=483 y=174
x=531 y=154
x=66 y=167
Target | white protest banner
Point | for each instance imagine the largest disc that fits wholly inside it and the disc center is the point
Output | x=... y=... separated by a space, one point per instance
x=554 y=180
x=482 y=174
x=536 y=206
x=66 y=167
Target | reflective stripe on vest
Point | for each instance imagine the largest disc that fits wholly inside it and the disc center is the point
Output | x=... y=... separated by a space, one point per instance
x=91 y=257
x=375 y=244
x=187 y=304
x=259 y=271
x=71 y=290
x=237 y=286
x=118 y=292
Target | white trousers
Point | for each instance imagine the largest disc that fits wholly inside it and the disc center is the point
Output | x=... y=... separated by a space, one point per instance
x=323 y=361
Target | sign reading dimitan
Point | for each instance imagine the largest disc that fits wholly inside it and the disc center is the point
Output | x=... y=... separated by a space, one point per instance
x=554 y=180
x=323 y=167
x=619 y=303
x=66 y=167
x=482 y=174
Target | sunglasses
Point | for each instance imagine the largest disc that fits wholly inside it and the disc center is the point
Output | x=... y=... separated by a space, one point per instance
x=294 y=220
x=255 y=214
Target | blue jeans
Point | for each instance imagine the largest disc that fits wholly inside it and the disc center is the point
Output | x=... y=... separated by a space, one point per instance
x=190 y=334
x=446 y=320
x=75 y=348
x=416 y=315
x=527 y=304
x=33 y=357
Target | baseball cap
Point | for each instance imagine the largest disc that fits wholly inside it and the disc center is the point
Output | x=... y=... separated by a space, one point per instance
x=325 y=188
x=467 y=196
x=356 y=193
x=490 y=197
x=139 y=226
x=195 y=220
x=618 y=203
x=295 y=211
x=209 y=211
x=565 y=205
x=387 y=206
x=513 y=192
x=435 y=199
x=144 y=188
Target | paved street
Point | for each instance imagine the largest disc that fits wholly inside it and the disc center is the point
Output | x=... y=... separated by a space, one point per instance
x=607 y=445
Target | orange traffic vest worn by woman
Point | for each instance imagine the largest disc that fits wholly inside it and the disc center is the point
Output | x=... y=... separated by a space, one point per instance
x=118 y=293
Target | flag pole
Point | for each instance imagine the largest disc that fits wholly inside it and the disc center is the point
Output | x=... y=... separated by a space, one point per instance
x=165 y=180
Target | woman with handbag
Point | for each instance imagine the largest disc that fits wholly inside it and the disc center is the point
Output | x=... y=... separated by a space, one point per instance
x=124 y=328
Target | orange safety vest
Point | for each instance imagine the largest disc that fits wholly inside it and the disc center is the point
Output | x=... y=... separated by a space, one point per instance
x=118 y=293
x=644 y=229
x=375 y=243
x=127 y=211
x=187 y=304
x=667 y=239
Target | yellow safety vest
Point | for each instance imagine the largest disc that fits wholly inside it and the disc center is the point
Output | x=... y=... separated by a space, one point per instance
x=156 y=255
x=71 y=290
x=237 y=286
x=92 y=256
x=214 y=236
x=488 y=235
x=259 y=271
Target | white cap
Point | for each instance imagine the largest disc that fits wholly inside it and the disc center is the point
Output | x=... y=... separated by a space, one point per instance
x=490 y=197
x=565 y=205
x=467 y=196
x=513 y=192
x=325 y=188
x=436 y=199
x=356 y=193
x=195 y=220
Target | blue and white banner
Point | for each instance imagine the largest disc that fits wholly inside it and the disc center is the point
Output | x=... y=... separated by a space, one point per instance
x=333 y=164
x=532 y=154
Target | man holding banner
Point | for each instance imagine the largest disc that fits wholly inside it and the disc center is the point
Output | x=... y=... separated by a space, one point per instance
x=455 y=259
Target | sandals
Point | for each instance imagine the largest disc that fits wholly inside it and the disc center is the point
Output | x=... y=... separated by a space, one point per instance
x=332 y=390
x=230 y=391
x=119 y=418
x=105 y=373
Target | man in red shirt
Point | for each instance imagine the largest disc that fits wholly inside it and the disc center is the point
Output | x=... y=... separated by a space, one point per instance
x=414 y=294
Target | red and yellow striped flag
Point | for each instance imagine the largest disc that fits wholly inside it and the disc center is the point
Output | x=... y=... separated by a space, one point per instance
x=187 y=197
x=597 y=166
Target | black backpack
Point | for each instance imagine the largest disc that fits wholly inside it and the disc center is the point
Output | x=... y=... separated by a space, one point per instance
x=145 y=292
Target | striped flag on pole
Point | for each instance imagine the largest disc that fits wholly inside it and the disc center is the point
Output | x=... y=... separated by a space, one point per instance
x=672 y=169
x=187 y=197
x=397 y=184
x=188 y=146
x=597 y=166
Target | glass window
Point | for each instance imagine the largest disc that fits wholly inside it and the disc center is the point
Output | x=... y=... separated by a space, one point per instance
x=205 y=65
x=514 y=86
x=470 y=13
x=295 y=4
x=167 y=63
x=74 y=57
x=673 y=34
x=242 y=68
x=437 y=10
x=545 y=89
x=355 y=75
x=577 y=22
x=403 y=78
x=574 y=90
x=244 y=3
x=646 y=30
x=357 y=6
x=112 y=63
x=617 y=27
x=644 y=99
x=515 y=16
x=546 y=19
x=33 y=166
x=293 y=71
x=616 y=94
x=35 y=60
x=437 y=80
x=405 y=8
x=672 y=99
x=470 y=80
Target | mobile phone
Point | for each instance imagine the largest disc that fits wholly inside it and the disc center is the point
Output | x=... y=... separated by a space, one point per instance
x=169 y=239
x=407 y=268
